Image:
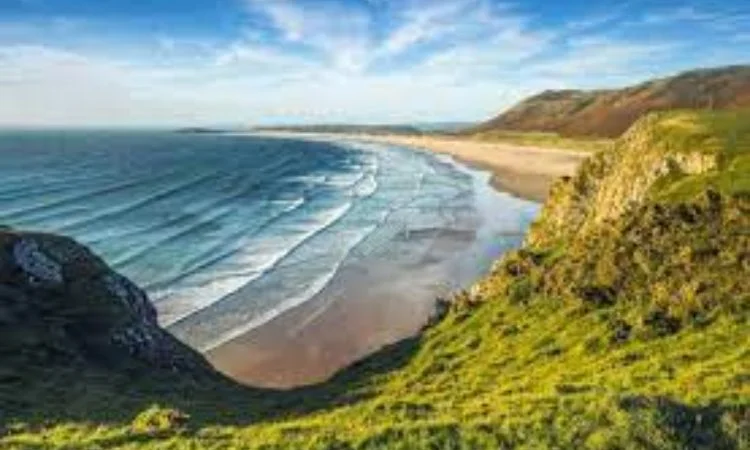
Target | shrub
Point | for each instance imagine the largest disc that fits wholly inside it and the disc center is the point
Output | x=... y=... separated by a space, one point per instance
x=157 y=419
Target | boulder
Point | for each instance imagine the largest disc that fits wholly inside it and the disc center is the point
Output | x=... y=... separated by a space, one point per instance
x=58 y=299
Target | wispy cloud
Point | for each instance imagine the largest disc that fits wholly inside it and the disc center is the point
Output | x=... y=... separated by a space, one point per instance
x=584 y=56
x=698 y=19
x=682 y=14
x=375 y=60
x=336 y=31
x=420 y=22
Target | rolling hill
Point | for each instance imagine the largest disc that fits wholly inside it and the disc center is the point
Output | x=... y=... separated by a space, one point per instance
x=608 y=113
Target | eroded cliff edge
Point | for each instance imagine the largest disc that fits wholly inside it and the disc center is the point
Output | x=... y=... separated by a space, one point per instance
x=623 y=322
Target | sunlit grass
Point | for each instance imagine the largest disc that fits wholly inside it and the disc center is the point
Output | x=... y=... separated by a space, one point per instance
x=635 y=335
x=541 y=139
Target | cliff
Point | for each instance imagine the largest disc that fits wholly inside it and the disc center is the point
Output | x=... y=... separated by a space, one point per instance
x=623 y=322
x=59 y=302
x=673 y=155
x=609 y=113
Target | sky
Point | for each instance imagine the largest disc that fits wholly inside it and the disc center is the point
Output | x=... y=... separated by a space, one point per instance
x=247 y=62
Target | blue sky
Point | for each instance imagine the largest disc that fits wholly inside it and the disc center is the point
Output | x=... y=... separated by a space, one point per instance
x=167 y=62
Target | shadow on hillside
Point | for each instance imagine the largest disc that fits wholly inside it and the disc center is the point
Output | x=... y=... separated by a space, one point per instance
x=43 y=396
x=690 y=426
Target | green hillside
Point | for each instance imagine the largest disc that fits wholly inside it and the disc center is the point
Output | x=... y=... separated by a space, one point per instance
x=607 y=113
x=623 y=323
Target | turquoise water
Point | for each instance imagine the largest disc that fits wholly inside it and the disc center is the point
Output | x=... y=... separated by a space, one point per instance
x=225 y=232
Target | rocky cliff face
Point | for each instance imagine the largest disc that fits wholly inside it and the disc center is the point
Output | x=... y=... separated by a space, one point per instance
x=61 y=303
x=660 y=147
x=654 y=229
x=608 y=113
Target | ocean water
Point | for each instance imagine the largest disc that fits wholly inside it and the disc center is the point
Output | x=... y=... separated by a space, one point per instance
x=226 y=232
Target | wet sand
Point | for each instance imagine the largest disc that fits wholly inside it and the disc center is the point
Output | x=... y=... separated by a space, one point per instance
x=360 y=311
x=353 y=316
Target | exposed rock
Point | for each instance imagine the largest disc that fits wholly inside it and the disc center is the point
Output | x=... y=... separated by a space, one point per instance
x=661 y=323
x=38 y=266
x=611 y=182
x=621 y=331
x=56 y=296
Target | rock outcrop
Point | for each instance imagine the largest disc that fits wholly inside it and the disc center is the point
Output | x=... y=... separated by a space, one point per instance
x=658 y=150
x=654 y=228
x=59 y=302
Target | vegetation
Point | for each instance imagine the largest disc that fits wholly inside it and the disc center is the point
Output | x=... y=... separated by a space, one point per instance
x=623 y=323
x=544 y=140
x=608 y=113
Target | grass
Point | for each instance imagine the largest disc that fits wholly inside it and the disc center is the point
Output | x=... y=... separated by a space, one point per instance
x=734 y=179
x=541 y=139
x=633 y=335
x=726 y=135
x=726 y=132
x=501 y=375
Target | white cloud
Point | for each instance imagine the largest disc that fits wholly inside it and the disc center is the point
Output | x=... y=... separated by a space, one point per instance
x=258 y=57
x=591 y=58
x=436 y=60
x=338 y=32
x=420 y=22
x=682 y=14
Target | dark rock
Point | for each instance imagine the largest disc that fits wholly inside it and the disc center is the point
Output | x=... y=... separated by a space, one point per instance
x=57 y=297
x=597 y=296
x=621 y=331
x=661 y=323
x=687 y=213
x=440 y=310
x=714 y=200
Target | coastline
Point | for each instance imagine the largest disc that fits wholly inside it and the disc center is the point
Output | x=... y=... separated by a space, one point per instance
x=526 y=172
x=311 y=342
x=523 y=171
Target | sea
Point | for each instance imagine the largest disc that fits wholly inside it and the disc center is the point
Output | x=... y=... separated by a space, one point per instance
x=226 y=232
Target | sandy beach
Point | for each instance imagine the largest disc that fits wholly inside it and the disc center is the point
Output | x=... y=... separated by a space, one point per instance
x=524 y=171
x=527 y=172
x=311 y=342
x=307 y=344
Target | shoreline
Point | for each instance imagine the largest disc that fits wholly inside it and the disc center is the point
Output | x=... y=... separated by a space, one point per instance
x=311 y=342
x=523 y=171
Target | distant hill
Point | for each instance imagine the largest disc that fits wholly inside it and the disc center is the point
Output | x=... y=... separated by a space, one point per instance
x=608 y=113
x=199 y=130
x=344 y=128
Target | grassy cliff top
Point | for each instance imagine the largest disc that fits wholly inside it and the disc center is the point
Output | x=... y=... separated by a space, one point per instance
x=669 y=156
x=629 y=330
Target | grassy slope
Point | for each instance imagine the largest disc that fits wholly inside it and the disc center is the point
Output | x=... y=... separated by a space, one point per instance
x=608 y=113
x=541 y=139
x=632 y=335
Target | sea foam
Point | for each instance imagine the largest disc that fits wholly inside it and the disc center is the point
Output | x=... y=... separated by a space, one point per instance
x=227 y=232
